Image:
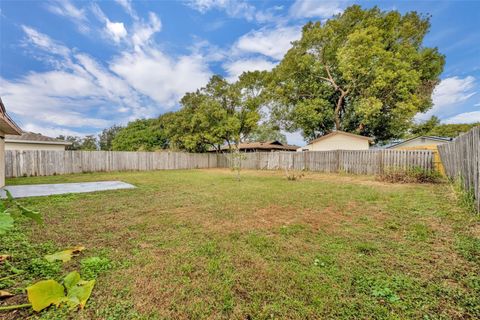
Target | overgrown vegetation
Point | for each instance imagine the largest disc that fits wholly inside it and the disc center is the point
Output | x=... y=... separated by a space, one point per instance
x=72 y=293
x=202 y=245
x=410 y=175
x=466 y=198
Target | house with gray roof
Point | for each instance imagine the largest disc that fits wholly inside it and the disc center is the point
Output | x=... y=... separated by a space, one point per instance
x=34 y=141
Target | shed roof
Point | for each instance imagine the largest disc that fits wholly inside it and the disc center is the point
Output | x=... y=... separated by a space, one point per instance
x=267 y=145
x=36 y=138
x=435 y=138
x=336 y=132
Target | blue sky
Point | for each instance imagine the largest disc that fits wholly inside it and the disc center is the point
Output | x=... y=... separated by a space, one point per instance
x=75 y=68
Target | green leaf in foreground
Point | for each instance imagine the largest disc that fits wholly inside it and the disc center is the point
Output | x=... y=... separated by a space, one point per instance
x=45 y=293
x=78 y=290
x=6 y=222
x=71 y=279
x=29 y=213
x=65 y=255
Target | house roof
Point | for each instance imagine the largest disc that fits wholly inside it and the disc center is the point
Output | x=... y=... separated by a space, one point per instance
x=7 y=125
x=435 y=138
x=336 y=132
x=267 y=145
x=36 y=138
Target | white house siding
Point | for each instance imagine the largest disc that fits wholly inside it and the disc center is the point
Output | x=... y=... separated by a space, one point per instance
x=33 y=146
x=418 y=143
x=338 y=142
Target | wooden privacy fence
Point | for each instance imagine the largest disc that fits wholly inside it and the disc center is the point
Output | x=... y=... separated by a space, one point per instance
x=461 y=159
x=44 y=163
x=355 y=161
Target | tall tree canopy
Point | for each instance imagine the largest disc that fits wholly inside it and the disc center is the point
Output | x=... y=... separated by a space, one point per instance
x=105 y=138
x=433 y=127
x=219 y=113
x=364 y=71
x=143 y=135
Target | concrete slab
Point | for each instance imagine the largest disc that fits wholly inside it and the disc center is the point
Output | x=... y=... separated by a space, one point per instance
x=38 y=190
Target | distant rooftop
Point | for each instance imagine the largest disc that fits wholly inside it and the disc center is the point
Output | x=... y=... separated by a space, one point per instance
x=31 y=137
x=399 y=142
x=262 y=146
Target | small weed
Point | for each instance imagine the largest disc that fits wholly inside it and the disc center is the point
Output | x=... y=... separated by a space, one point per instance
x=93 y=266
x=366 y=248
x=469 y=248
x=419 y=232
x=466 y=198
x=386 y=294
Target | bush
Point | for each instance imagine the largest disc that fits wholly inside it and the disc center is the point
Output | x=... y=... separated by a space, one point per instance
x=410 y=175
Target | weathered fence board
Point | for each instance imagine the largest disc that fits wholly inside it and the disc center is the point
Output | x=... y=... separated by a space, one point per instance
x=44 y=163
x=461 y=159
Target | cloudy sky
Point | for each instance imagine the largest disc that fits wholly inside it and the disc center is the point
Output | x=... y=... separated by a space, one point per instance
x=75 y=68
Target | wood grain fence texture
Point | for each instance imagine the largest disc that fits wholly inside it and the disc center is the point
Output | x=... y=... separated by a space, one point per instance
x=461 y=159
x=44 y=163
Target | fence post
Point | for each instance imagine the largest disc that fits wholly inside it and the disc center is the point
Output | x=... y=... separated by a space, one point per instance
x=337 y=156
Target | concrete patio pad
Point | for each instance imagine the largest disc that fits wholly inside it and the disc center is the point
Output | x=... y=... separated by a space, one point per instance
x=37 y=190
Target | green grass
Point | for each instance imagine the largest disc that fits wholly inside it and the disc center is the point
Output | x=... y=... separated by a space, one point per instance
x=200 y=244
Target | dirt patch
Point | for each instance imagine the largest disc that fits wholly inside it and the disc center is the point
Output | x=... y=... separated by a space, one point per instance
x=272 y=217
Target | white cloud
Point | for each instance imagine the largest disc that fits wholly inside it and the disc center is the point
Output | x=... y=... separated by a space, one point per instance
x=159 y=76
x=143 y=31
x=127 y=6
x=235 y=68
x=234 y=9
x=45 y=43
x=453 y=90
x=448 y=95
x=116 y=30
x=67 y=9
x=466 y=117
x=271 y=42
x=50 y=131
x=315 y=8
x=113 y=30
x=80 y=95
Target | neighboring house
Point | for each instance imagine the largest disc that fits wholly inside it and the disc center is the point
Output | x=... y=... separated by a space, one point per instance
x=338 y=140
x=422 y=142
x=268 y=146
x=34 y=141
x=7 y=126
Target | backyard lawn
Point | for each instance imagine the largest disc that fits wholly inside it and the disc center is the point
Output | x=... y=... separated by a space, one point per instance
x=199 y=244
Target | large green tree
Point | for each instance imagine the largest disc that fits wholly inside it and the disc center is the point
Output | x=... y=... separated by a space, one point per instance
x=76 y=142
x=89 y=143
x=143 y=135
x=433 y=127
x=105 y=138
x=363 y=71
x=219 y=113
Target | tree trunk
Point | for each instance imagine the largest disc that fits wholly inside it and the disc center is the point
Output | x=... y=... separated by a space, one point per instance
x=338 y=108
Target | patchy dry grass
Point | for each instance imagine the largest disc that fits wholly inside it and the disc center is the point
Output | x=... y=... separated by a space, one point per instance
x=199 y=244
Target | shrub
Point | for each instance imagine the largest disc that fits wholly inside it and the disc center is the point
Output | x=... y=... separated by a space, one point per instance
x=409 y=175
